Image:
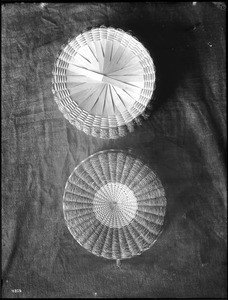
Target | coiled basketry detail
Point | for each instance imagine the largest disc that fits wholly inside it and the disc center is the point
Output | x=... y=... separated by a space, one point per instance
x=103 y=81
x=114 y=205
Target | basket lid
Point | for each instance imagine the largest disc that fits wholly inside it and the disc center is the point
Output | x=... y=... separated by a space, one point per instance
x=114 y=205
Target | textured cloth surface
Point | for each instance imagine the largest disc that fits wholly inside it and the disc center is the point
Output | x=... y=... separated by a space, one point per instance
x=184 y=141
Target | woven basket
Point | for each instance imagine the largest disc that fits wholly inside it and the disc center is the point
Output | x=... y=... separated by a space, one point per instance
x=103 y=80
x=114 y=205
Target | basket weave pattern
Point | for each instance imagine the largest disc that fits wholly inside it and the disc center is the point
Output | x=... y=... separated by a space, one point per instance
x=114 y=205
x=103 y=80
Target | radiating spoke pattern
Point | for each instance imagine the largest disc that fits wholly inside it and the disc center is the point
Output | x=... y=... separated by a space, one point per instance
x=106 y=77
x=114 y=205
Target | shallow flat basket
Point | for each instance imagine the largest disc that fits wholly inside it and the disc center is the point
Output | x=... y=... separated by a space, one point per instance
x=114 y=205
x=103 y=80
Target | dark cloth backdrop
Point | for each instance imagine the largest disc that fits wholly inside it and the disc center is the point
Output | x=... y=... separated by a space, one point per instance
x=184 y=141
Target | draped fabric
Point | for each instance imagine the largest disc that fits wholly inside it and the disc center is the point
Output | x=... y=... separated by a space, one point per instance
x=183 y=141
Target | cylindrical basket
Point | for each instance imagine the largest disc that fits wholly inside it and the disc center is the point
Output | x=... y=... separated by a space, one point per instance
x=103 y=80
